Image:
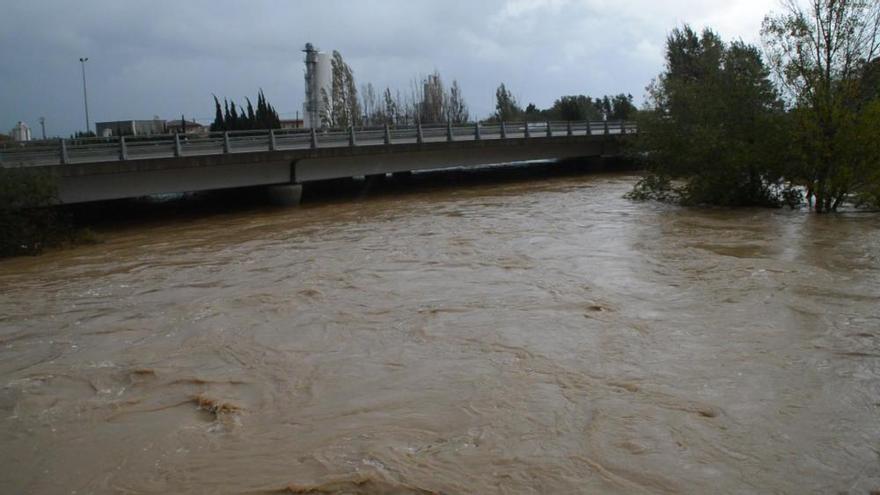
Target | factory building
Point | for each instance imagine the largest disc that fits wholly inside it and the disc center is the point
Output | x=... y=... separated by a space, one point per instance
x=130 y=127
x=182 y=126
x=319 y=82
x=21 y=132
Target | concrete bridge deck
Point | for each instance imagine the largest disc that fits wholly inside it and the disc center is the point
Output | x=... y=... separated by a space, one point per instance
x=98 y=169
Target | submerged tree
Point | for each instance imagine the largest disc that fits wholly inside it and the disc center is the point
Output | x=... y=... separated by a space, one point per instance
x=28 y=223
x=713 y=126
x=825 y=57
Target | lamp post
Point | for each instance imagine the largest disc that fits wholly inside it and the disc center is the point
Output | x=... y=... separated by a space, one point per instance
x=83 y=61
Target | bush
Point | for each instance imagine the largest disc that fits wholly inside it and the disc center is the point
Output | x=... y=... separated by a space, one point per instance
x=28 y=220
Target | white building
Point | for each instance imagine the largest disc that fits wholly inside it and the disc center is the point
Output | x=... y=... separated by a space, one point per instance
x=21 y=132
x=319 y=82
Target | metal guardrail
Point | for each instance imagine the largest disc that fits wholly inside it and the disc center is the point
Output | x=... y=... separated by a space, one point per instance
x=90 y=150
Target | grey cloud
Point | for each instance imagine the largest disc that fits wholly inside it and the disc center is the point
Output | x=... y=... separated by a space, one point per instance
x=166 y=58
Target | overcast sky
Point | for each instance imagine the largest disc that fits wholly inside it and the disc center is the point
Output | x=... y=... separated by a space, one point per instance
x=166 y=58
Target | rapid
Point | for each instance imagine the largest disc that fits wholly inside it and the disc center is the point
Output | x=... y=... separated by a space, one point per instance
x=514 y=336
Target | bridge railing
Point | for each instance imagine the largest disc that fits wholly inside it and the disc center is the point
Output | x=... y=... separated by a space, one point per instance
x=104 y=149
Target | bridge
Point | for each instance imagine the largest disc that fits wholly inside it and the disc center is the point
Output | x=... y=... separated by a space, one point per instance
x=96 y=169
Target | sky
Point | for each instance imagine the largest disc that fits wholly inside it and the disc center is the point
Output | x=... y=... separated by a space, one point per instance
x=162 y=58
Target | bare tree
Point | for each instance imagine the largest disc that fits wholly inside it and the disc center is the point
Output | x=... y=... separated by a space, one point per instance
x=391 y=114
x=371 y=108
x=456 y=108
x=433 y=107
x=326 y=113
x=414 y=100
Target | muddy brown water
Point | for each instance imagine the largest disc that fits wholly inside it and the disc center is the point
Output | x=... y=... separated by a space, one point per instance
x=528 y=337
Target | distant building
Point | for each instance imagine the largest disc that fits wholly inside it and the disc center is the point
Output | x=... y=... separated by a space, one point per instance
x=291 y=124
x=180 y=126
x=21 y=132
x=130 y=128
x=319 y=82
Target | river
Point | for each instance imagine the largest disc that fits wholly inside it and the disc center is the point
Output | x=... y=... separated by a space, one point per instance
x=525 y=336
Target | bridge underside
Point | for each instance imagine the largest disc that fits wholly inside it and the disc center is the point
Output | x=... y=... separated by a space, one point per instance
x=100 y=187
x=97 y=182
x=405 y=160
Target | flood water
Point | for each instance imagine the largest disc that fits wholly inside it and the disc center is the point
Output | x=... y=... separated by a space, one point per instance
x=537 y=336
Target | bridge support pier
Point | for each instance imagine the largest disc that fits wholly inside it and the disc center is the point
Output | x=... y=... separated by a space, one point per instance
x=285 y=194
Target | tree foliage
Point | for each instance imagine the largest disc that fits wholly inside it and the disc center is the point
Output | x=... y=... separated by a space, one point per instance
x=228 y=117
x=28 y=223
x=572 y=108
x=506 y=107
x=825 y=58
x=581 y=107
x=342 y=108
x=711 y=134
x=429 y=101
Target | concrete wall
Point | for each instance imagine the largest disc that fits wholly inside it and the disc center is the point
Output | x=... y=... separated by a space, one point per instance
x=85 y=188
x=130 y=128
x=84 y=182
x=335 y=167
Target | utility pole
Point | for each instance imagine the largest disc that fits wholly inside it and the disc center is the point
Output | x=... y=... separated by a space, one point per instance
x=43 y=126
x=83 y=61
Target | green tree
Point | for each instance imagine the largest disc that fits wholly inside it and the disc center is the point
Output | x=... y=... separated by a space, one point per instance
x=218 y=124
x=506 y=107
x=603 y=107
x=714 y=126
x=236 y=118
x=28 y=223
x=622 y=107
x=345 y=108
x=533 y=114
x=234 y=121
x=265 y=116
x=251 y=118
x=824 y=55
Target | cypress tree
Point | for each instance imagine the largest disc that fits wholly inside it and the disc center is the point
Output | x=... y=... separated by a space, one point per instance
x=218 y=124
x=233 y=117
x=274 y=121
x=251 y=118
x=261 y=110
x=228 y=123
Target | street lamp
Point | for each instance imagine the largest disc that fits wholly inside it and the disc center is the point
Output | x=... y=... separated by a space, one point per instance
x=83 y=61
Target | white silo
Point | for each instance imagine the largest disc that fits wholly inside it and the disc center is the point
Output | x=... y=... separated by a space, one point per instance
x=21 y=132
x=319 y=82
